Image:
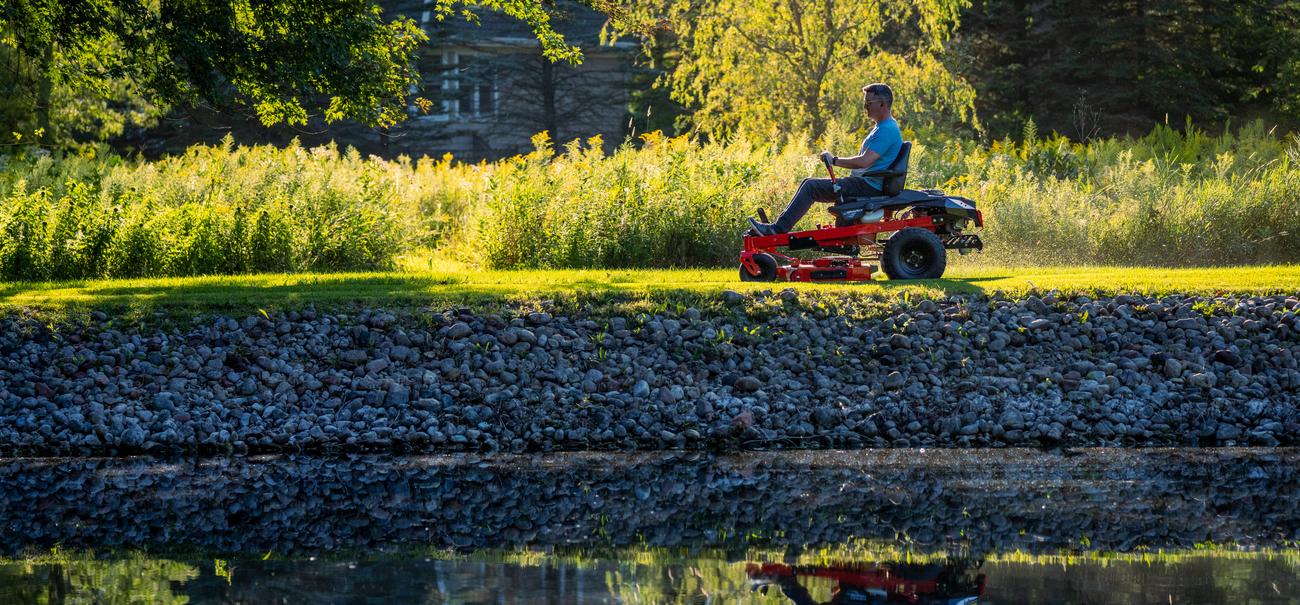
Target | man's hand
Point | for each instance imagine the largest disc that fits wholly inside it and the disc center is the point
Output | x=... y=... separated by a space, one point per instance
x=828 y=158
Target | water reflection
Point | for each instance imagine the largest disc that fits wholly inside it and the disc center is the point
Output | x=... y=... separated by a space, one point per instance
x=948 y=582
x=1094 y=526
x=647 y=576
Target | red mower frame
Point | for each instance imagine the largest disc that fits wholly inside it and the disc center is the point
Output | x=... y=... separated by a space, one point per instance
x=856 y=243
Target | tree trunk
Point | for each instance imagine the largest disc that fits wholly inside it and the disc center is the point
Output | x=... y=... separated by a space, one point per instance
x=44 y=91
x=548 y=101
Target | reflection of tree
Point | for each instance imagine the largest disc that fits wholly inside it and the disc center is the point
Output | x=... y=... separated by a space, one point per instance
x=132 y=580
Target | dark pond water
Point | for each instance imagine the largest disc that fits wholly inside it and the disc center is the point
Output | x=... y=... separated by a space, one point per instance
x=908 y=526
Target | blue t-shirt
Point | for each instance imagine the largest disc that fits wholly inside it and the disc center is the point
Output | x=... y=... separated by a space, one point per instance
x=885 y=139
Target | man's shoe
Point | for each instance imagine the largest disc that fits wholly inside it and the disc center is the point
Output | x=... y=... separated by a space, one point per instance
x=763 y=228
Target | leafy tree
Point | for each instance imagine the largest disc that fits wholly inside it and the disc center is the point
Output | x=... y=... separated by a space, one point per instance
x=281 y=60
x=1112 y=66
x=793 y=66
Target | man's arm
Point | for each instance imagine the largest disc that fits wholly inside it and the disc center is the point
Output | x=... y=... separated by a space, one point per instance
x=858 y=161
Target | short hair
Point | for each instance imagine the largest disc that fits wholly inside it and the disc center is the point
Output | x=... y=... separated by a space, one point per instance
x=880 y=90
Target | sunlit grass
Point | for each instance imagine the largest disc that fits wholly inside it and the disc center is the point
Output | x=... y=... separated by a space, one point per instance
x=441 y=288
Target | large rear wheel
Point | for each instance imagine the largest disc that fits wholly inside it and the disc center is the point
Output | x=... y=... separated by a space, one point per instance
x=914 y=253
x=766 y=268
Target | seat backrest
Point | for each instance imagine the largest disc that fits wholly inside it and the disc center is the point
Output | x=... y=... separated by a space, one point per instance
x=892 y=185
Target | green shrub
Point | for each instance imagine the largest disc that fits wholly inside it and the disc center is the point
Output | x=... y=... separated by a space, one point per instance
x=212 y=210
x=1172 y=197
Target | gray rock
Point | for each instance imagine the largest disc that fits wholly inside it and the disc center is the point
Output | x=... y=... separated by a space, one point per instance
x=826 y=417
x=1204 y=380
x=900 y=341
x=1227 y=432
x=894 y=380
x=933 y=372
x=398 y=395
x=1227 y=357
x=459 y=330
x=375 y=366
x=1039 y=324
x=355 y=356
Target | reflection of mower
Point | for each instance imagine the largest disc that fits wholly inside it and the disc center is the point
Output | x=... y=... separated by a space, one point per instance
x=909 y=231
x=952 y=583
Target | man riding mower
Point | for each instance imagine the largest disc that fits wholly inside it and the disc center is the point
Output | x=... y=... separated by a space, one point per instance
x=908 y=231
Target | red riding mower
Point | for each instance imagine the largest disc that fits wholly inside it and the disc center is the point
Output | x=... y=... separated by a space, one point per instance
x=908 y=231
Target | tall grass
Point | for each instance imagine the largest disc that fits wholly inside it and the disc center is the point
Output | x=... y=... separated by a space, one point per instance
x=1176 y=197
x=1173 y=197
x=668 y=203
x=222 y=209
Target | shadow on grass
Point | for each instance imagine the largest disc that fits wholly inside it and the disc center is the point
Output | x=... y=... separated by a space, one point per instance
x=249 y=294
x=962 y=285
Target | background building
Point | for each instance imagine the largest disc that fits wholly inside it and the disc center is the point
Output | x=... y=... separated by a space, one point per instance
x=490 y=89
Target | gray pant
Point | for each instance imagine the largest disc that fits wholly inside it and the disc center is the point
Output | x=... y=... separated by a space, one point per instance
x=820 y=190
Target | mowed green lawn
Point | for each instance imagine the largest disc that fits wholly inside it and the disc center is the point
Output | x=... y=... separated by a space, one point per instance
x=476 y=288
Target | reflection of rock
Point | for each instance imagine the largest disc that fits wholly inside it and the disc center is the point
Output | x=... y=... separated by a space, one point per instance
x=990 y=501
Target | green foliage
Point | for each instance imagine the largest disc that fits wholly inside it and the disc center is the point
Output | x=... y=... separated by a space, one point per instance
x=340 y=59
x=35 y=108
x=787 y=69
x=82 y=69
x=214 y=210
x=670 y=203
x=1169 y=198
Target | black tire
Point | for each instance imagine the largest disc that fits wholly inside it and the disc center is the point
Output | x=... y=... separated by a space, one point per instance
x=914 y=253
x=766 y=268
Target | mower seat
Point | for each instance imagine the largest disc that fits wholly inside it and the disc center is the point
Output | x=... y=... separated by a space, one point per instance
x=893 y=178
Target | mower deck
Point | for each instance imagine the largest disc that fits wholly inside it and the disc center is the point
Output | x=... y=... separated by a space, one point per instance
x=827 y=268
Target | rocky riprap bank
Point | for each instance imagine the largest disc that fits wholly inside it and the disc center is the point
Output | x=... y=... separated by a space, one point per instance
x=760 y=370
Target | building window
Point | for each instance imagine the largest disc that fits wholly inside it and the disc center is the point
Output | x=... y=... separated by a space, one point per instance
x=467 y=87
